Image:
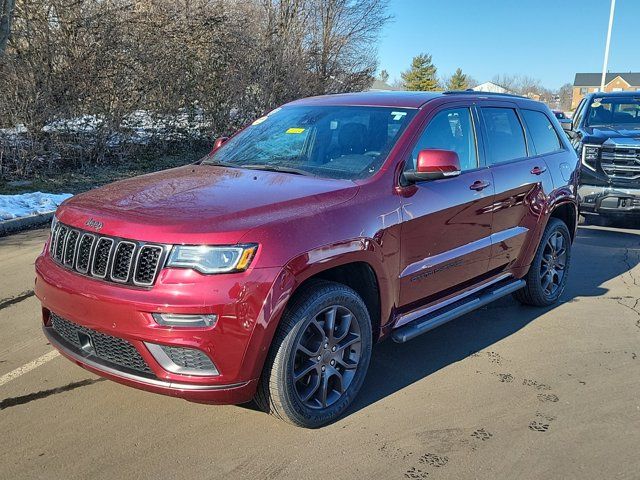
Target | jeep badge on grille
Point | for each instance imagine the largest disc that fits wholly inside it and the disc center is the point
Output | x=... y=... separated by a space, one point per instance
x=95 y=224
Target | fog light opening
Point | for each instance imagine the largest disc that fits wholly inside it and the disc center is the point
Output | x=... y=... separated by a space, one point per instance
x=182 y=360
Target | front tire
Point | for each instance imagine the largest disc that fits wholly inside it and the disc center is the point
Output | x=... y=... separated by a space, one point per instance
x=319 y=356
x=547 y=276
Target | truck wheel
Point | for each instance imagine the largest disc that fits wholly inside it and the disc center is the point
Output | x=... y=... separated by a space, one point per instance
x=547 y=275
x=319 y=356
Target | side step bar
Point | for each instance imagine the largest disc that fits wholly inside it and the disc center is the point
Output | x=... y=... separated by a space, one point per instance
x=455 y=310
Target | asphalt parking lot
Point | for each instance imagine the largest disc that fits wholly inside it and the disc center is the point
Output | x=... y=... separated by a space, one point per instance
x=506 y=392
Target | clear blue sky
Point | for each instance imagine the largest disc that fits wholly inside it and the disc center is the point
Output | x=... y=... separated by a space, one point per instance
x=546 y=39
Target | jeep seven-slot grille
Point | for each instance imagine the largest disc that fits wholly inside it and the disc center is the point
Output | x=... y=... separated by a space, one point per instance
x=114 y=350
x=621 y=162
x=107 y=258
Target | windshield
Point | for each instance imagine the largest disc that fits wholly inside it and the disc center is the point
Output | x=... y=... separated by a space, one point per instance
x=614 y=111
x=345 y=142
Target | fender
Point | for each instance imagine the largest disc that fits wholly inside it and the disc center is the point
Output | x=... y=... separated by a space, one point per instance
x=295 y=273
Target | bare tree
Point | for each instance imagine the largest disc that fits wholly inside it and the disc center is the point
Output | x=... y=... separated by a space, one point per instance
x=342 y=38
x=566 y=95
x=510 y=82
x=154 y=74
x=6 y=16
x=524 y=85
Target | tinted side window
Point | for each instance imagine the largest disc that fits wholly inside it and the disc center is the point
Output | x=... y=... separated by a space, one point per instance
x=450 y=130
x=577 y=115
x=505 y=137
x=544 y=136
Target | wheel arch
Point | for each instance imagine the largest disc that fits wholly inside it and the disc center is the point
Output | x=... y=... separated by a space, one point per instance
x=564 y=209
x=360 y=277
x=567 y=212
x=357 y=264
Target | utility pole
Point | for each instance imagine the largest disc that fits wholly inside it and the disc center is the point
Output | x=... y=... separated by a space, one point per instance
x=606 y=48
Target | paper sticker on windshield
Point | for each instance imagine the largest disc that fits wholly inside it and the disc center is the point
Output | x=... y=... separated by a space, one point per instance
x=263 y=118
x=596 y=104
x=398 y=115
x=295 y=130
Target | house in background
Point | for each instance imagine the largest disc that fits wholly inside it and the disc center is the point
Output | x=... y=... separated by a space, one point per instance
x=491 y=87
x=380 y=86
x=614 y=82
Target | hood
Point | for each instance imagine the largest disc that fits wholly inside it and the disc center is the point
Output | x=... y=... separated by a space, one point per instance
x=201 y=203
x=621 y=134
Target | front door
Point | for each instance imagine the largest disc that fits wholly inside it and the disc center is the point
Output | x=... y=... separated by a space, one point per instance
x=446 y=226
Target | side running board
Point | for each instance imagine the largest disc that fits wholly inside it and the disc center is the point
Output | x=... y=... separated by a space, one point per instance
x=455 y=310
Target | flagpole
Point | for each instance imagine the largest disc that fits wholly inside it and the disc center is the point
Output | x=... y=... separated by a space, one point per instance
x=606 y=48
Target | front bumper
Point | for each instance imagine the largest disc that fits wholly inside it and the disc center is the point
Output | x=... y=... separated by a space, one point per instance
x=223 y=394
x=237 y=344
x=608 y=200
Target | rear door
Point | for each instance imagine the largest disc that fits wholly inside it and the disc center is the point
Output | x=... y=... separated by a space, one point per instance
x=521 y=178
x=446 y=223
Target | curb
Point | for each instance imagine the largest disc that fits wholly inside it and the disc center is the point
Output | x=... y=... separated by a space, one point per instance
x=23 y=223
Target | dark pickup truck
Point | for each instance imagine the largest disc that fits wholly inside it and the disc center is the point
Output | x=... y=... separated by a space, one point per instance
x=606 y=135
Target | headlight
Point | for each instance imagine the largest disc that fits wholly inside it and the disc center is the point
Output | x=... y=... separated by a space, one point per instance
x=208 y=259
x=590 y=154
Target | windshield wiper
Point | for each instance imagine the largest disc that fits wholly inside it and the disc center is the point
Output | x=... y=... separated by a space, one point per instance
x=268 y=168
x=278 y=168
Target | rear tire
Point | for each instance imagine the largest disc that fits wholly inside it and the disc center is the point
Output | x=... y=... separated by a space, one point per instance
x=547 y=276
x=319 y=356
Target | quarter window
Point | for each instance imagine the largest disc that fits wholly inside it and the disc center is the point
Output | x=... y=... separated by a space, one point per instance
x=545 y=138
x=505 y=137
x=450 y=130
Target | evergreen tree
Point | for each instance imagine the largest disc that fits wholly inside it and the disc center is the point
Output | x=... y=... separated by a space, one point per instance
x=458 y=81
x=421 y=75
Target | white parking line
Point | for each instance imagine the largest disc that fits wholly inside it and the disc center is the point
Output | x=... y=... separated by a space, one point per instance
x=27 y=367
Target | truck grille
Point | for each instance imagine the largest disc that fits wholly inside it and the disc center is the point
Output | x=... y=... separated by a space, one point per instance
x=621 y=162
x=107 y=258
x=114 y=350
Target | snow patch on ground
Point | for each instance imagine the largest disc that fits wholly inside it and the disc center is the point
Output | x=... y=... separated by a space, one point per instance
x=26 y=204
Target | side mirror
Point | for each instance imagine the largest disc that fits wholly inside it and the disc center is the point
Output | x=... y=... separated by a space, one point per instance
x=433 y=164
x=218 y=143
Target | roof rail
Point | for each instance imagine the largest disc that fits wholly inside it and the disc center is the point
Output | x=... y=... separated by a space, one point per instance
x=470 y=91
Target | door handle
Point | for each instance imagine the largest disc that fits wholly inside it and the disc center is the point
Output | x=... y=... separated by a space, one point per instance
x=538 y=170
x=479 y=185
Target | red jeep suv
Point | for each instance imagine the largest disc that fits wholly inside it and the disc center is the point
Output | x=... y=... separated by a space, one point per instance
x=268 y=269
